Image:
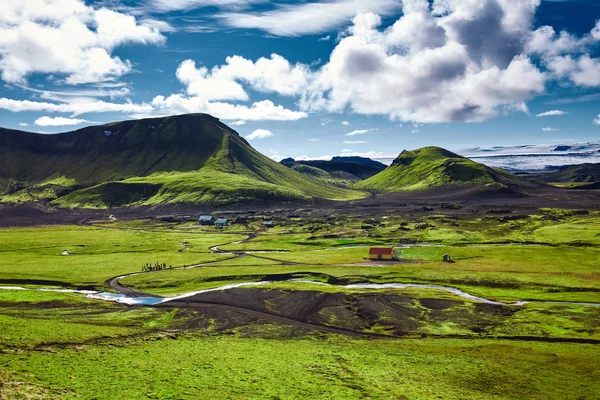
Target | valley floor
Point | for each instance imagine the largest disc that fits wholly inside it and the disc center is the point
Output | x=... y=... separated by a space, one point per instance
x=323 y=323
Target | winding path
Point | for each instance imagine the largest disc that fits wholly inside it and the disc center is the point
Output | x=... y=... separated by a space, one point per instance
x=114 y=284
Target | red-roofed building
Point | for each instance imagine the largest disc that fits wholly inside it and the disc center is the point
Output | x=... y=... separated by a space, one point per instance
x=381 y=253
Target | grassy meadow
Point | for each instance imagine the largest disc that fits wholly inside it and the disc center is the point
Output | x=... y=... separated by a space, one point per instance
x=63 y=345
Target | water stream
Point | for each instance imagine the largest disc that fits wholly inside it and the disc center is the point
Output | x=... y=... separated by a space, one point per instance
x=149 y=301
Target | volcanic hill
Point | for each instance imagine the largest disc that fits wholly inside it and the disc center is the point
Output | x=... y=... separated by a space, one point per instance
x=434 y=167
x=192 y=158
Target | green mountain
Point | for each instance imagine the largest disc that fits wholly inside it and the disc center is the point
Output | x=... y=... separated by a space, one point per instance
x=434 y=167
x=338 y=170
x=191 y=158
x=582 y=173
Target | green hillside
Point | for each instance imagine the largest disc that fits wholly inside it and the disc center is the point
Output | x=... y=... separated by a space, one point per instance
x=191 y=158
x=433 y=167
x=582 y=173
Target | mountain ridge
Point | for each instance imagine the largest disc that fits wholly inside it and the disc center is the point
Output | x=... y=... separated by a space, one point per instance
x=190 y=158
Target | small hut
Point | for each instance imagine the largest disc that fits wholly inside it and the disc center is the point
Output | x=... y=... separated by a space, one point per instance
x=381 y=253
x=447 y=258
x=221 y=223
x=206 y=220
x=269 y=224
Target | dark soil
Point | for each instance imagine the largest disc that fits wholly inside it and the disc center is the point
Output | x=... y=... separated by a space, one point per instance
x=359 y=313
x=451 y=202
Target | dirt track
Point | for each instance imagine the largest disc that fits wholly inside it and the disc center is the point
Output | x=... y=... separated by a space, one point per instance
x=308 y=310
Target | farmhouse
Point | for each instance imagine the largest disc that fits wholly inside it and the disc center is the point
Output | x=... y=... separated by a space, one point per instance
x=269 y=224
x=221 y=223
x=206 y=220
x=381 y=253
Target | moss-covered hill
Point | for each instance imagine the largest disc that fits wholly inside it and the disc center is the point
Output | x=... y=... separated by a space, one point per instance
x=191 y=158
x=434 y=167
x=582 y=173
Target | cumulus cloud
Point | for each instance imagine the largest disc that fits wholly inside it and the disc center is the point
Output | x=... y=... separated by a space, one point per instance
x=59 y=121
x=597 y=120
x=23 y=124
x=465 y=60
x=567 y=56
x=238 y=123
x=266 y=75
x=307 y=18
x=68 y=38
x=345 y=123
x=583 y=71
x=551 y=113
x=466 y=63
x=259 y=134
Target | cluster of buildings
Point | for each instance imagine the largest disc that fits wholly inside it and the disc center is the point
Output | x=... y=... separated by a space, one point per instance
x=209 y=220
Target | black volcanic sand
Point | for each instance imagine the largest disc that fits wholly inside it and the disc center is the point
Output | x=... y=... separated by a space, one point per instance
x=450 y=202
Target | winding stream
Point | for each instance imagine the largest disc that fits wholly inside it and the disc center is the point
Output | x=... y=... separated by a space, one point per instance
x=150 y=301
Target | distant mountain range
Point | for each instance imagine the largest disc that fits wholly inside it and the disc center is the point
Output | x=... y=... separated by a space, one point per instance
x=196 y=159
x=340 y=170
x=530 y=158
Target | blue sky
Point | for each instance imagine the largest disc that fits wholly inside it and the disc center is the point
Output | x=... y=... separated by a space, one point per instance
x=311 y=78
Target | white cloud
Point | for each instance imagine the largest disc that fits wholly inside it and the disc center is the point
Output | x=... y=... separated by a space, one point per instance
x=23 y=124
x=67 y=38
x=367 y=154
x=357 y=132
x=160 y=106
x=258 y=111
x=224 y=82
x=313 y=140
x=549 y=129
x=583 y=71
x=355 y=142
x=74 y=106
x=597 y=120
x=567 y=56
x=259 y=134
x=468 y=64
x=204 y=85
x=308 y=18
x=59 y=121
x=238 y=123
x=345 y=123
x=186 y=5
x=325 y=38
x=551 y=113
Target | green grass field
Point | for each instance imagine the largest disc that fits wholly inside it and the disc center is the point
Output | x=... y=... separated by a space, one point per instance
x=63 y=345
x=96 y=254
x=333 y=367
